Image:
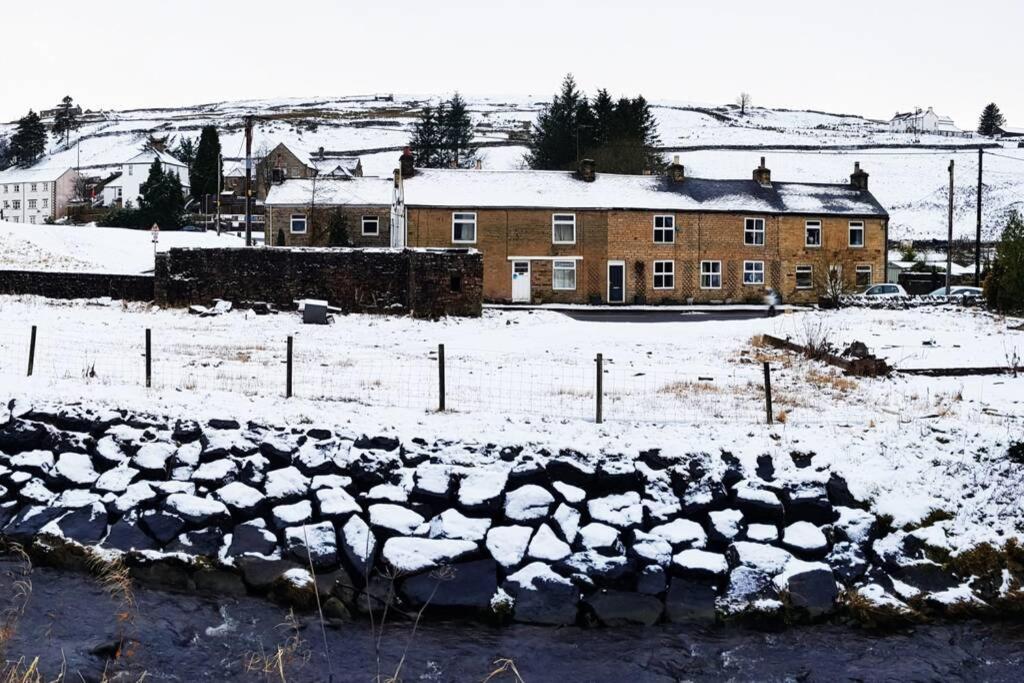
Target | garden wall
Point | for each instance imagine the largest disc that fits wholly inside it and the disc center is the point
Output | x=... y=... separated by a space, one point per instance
x=77 y=285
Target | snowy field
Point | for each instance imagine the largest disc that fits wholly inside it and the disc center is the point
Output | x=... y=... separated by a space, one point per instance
x=92 y=249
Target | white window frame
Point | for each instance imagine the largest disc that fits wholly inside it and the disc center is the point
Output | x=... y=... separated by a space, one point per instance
x=464 y=217
x=563 y=266
x=754 y=271
x=31 y=203
x=753 y=231
x=46 y=203
x=370 y=220
x=710 y=274
x=562 y=220
x=668 y=226
x=864 y=268
x=16 y=205
x=857 y=225
x=808 y=226
x=805 y=269
x=298 y=217
x=668 y=276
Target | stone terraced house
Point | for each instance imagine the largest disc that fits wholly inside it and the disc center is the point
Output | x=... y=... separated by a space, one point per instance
x=587 y=237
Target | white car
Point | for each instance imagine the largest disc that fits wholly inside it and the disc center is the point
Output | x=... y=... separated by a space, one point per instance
x=959 y=292
x=884 y=290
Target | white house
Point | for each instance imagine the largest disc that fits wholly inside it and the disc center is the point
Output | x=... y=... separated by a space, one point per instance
x=134 y=173
x=33 y=195
x=928 y=121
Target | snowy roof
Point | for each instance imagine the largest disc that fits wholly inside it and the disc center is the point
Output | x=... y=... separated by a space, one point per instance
x=32 y=175
x=563 y=190
x=146 y=157
x=1011 y=130
x=337 y=166
x=368 y=191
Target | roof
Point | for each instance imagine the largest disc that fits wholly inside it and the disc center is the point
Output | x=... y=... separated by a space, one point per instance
x=337 y=166
x=1011 y=130
x=148 y=155
x=368 y=191
x=35 y=174
x=563 y=190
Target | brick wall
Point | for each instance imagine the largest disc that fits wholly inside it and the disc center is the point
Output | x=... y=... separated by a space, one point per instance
x=421 y=282
x=77 y=285
x=278 y=226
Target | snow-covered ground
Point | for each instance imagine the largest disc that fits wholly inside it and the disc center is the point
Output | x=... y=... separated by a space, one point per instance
x=911 y=181
x=94 y=249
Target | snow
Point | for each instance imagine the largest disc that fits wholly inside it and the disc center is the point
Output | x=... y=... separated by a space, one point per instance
x=76 y=468
x=40 y=460
x=620 y=509
x=453 y=524
x=334 y=502
x=480 y=486
x=766 y=558
x=568 y=521
x=547 y=546
x=527 y=502
x=680 y=531
x=595 y=536
x=803 y=535
x=652 y=549
x=726 y=522
x=531 y=573
x=296 y=513
x=508 y=544
x=702 y=560
x=572 y=494
x=412 y=555
x=395 y=517
x=153 y=456
x=239 y=496
x=286 y=482
x=762 y=533
x=194 y=506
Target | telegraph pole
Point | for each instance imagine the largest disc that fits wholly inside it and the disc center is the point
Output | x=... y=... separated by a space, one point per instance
x=949 y=243
x=248 y=181
x=977 y=237
x=220 y=174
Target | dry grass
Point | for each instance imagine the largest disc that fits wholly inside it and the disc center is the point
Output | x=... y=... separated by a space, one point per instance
x=116 y=582
x=688 y=388
x=782 y=417
x=292 y=653
x=830 y=380
x=505 y=667
x=20 y=593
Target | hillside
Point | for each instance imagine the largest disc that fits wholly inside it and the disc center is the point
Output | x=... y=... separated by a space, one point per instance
x=908 y=173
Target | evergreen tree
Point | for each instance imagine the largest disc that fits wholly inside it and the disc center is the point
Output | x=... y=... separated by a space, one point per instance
x=426 y=139
x=443 y=136
x=6 y=158
x=66 y=120
x=161 y=201
x=1004 y=286
x=186 y=151
x=991 y=119
x=204 y=174
x=563 y=128
x=29 y=140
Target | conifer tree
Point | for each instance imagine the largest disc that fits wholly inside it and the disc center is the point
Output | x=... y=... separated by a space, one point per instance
x=563 y=128
x=991 y=119
x=443 y=136
x=205 y=172
x=1004 y=286
x=185 y=151
x=426 y=139
x=5 y=153
x=66 y=120
x=29 y=140
x=161 y=198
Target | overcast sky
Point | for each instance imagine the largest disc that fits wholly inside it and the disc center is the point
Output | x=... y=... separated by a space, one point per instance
x=859 y=56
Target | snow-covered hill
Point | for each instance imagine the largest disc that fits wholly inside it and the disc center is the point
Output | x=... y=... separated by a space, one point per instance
x=908 y=173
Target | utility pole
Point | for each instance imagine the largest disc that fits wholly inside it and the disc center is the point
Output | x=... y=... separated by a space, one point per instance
x=220 y=173
x=949 y=242
x=248 y=181
x=977 y=236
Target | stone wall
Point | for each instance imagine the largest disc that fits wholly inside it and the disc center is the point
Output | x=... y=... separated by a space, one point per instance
x=425 y=283
x=77 y=285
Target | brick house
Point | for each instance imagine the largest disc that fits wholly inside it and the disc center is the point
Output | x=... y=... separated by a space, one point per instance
x=283 y=163
x=301 y=212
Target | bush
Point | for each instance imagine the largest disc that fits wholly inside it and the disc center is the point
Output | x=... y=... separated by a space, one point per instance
x=1004 y=286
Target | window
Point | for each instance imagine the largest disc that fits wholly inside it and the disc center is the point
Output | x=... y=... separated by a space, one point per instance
x=131 y=170
x=804 y=277
x=753 y=232
x=17 y=188
x=812 y=231
x=5 y=189
x=46 y=203
x=664 y=229
x=563 y=275
x=753 y=272
x=664 y=275
x=31 y=203
x=371 y=225
x=563 y=228
x=710 y=274
x=277 y=175
x=32 y=219
x=463 y=227
x=856 y=234
x=16 y=204
x=298 y=223
x=44 y=186
x=863 y=276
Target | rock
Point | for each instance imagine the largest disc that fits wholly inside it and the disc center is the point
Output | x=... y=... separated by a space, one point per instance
x=802 y=459
x=453 y=524
x=724 y=526
x=700 y=564
x=622 y=510
x=261 y=574
x=853 y=525
x=20 y=436
x=217 y=423
x=596 y=536
x=651 y=549
x=810 y=505
x=200 y=543
x=652 y=580
x=153 y=458
x=125 y=535
x=252 y=538
x=482 y=491
x=277 y=451
x=766 y=558
x=218 y=582
x=186 y=431
x=568 y=521
x=37 y=463
x=313 y=542
x=508 y=544
x=360 y=545
x=547 y=546
x=377 y=443
x=394 y=519
x=116 y=480
x=164 y=574
x=619 y=608
x=432 y=484
x=542 y=596
x=162 y=526
x=655 y=460
x=681 y=533
x=196 y=510
x=839 y=493
x=690 y=601
x=466 y=585
x=810 y=587
x=317 y=434
x=27 y=523
x=762 y=533
x=748 y=589
x=87 y=525
x=286 y=485
x=215 y=474
x=336 y=612
x=759 y=505
x=315 y=458
x=135 y=497
x=570 y=468
x=805 y=539
x=290 y=515
x=569 y=493
x=108 y=453
x=411 y=555
x=765 y=467
x=295 y=588
x=616 y=474
x=336 y=504
x=241 y=499
x=925 y=575
x=528 y=503
x=608 y=570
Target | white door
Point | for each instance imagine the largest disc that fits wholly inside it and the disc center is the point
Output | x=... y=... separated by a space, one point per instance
x=521 y=282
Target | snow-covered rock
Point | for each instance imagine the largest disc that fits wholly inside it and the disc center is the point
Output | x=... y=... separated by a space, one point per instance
x=805 y=539
x=598 y=536
x=652 y=549
x=568 y=520
x=313 y=542
x=240 y=498
x=195 y=509
x=542 y=596
x=453 y=524
x=528 y=503
x=412 y=555
x=682 y=532
x=763 y=533
x=482 y=489
x=508 y=544
x=284 y=516
x=285 y=484
x=571 y=494
x=622 y=510
x=336 y=503
x=700 y=563
x=546 y=545
x=360 y=544
x=394 y=518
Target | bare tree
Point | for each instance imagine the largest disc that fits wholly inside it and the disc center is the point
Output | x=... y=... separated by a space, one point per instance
x=831 y=285
x=743 y=102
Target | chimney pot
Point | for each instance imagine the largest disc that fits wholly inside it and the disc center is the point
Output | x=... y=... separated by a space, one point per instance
x=588 y=170
x=859 y=178
x=676 y=171
x=763 y=175
x=407 y=163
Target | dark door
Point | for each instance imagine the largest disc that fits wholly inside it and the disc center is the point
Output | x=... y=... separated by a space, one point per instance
x=616 y=283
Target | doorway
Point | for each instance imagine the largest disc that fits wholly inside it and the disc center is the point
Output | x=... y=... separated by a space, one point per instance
x=616 y=282
x=521 y=282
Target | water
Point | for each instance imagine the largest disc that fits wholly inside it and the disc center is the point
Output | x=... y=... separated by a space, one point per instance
x=189 y=638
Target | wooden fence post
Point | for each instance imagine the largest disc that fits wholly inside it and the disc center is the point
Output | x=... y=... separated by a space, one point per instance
x=288 y=372
x=32 y=351
x=768 y=391
x=149 y=358
x=600 y=388
x=440 y=378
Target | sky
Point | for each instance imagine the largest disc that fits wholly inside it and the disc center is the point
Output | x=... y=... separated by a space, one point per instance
x=860 y=57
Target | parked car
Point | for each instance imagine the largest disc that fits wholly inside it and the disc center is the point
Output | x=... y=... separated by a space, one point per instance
x=884 y=290
x=959 y=292
x=192 y=228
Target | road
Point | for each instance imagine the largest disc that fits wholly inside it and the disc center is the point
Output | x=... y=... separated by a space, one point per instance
x=629 y=316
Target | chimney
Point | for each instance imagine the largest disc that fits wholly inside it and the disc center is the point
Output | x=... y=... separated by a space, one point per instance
x=763 y=175
x=406 y=163
x=588 y=171
x=859 y=179
x=676 y=171
x=478 y=164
